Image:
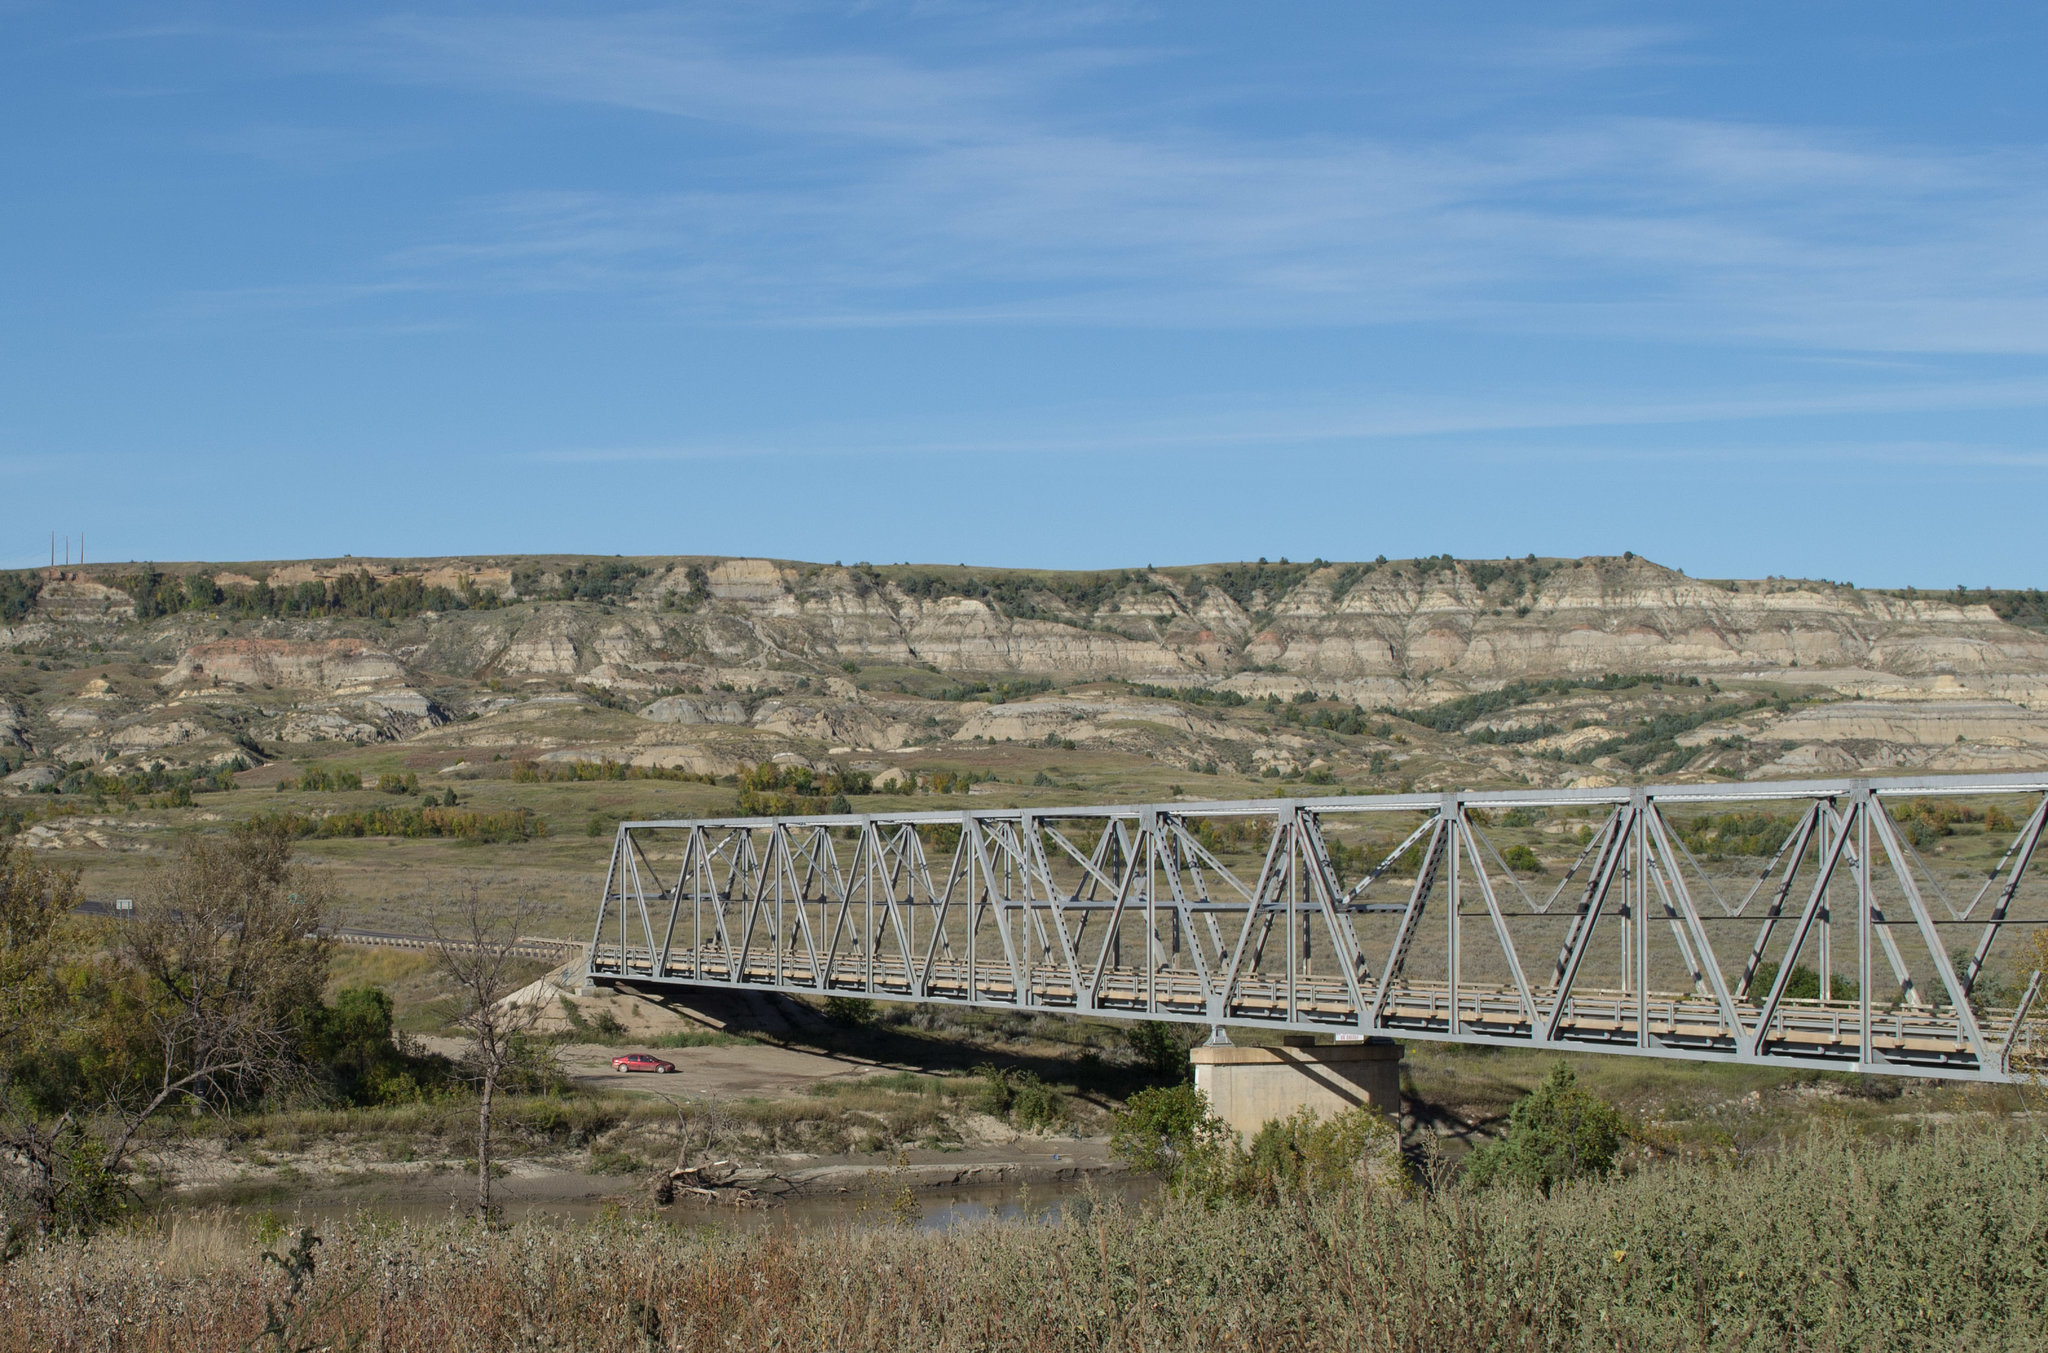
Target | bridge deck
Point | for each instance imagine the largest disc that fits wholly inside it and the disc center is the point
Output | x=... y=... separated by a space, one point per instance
x=1927 y=1039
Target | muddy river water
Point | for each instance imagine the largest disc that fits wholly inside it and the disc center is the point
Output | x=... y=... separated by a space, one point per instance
x=884 y=1199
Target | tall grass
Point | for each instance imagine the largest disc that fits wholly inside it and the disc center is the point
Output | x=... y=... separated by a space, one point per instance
x=1837 y=1243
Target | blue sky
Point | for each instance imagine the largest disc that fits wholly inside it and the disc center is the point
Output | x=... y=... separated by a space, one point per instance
x=1745 y=288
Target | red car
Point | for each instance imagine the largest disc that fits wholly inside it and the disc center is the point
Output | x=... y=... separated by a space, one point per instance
x=640 y=1061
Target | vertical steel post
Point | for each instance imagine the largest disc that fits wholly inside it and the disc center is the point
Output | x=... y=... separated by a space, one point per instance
x=1866 y=905
x=1635 y=924
x=605 y=898
x=1453 y=811
x=964 y=873
x=1827 y=927
x=1637 y=910
x=1148 y=851
x=773 y=869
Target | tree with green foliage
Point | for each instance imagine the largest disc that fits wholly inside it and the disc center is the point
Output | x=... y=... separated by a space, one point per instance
x=18 y=593
x=360 y=1058
x=1451 y=716
x=197 y=1004
x=1557 y=1133
x=358 y=594
x=1160 y=1049
x=36 y=1183
x=1020 y=596
x=699 y=592
x=599 y=580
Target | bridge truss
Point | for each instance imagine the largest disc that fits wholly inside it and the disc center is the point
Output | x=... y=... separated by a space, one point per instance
x=1766 y=923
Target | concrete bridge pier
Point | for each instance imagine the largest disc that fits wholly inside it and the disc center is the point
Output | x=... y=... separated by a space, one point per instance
x=1250 y=1087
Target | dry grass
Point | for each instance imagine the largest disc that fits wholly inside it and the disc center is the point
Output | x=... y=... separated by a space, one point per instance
x=1690 y=1107
x=1938 y=1242
x=190 y=1245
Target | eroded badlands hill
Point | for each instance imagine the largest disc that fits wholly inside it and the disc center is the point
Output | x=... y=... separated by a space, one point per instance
x=1422 y=672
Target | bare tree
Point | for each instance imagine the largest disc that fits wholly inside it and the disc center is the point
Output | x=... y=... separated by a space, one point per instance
x=476 y=949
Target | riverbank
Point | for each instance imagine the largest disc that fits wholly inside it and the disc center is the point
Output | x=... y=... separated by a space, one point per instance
x=318 y=1187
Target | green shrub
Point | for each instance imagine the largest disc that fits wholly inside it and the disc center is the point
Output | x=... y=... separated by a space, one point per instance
x=1802 y=985
x=1020 y=1098
x=532 y=1069
x=1161 y=1129
x=852 y=1011
x=1170 y=1132
x=997 y=1094
x=598 y=580
x=571 y=1122
x=1299 y=1156
x=1037 y=1105
x=526 y=772
x=516 y=824
x=577 y=1023
x=352 y=594
x=611 y=1160
x=1557 y=1133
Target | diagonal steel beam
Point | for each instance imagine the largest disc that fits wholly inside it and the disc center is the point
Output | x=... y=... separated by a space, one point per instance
x=1671 y=885
x=1959 y=1000
x=2017 y=857
x=1500 y=925
x=1580 y=938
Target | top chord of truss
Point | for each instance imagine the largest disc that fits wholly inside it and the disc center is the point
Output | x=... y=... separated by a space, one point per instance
x=1770 y=922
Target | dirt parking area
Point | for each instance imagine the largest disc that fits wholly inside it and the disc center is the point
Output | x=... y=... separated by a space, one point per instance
x=722 y=1071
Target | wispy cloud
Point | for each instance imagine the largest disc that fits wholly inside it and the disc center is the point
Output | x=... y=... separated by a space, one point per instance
x=1479 y=427
x=1576 y=47
x=307 y=148
x=977 y=183
x=1672 y=229
x=728 y=73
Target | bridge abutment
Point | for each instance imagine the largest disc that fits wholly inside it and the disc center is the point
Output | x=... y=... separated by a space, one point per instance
x=1250 y=1087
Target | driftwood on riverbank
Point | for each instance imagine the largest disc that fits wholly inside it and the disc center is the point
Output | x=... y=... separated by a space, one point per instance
x=718 y=1182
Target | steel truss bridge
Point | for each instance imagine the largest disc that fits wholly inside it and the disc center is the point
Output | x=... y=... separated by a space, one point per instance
x=1397 y=916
